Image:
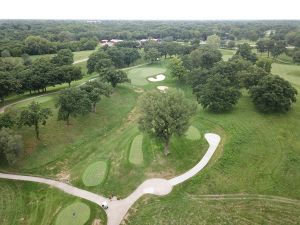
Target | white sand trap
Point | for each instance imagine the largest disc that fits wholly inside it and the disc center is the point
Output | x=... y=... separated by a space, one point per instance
x=162 y=88
x=156 y=78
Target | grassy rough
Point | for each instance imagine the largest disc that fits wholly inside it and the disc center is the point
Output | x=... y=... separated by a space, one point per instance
x=136 y=150
x=94 y=174
x=77 y=213
x=259 y=154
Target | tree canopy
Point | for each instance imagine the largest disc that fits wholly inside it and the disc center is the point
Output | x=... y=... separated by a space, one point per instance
x=273 y=94
x=72 y=102
x=34 y=115
x=165 y=114
x=11 y=146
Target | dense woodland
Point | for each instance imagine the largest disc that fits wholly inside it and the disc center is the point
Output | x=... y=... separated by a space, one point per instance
x=44 y=37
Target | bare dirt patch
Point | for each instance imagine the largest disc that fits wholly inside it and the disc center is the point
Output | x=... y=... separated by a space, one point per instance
x=96 y=222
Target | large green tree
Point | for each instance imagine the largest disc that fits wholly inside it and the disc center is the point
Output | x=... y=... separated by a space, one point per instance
x=63 y=57
x=218 y=94
x=152 y=54
x=205 y=57
x=114 y=77
x=11 y=146
x=273 y=94
x=213 y=41
x=177 y=69
x=34 y=115
x=95 y=89
x=245 y=51
x=278 y=49
x=68 y=73
x=93 y=60
x=72 y=102
x=8 y=84
x=165 y=114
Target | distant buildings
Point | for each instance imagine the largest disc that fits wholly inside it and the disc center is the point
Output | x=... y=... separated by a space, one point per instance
x=115 y=41
x=111 y=42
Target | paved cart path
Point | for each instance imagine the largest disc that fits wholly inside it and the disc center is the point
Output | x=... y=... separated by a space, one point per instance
x=117 y=209
x=2 y=109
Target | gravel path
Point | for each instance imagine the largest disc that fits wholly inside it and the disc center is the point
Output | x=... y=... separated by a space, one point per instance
x=117 y=209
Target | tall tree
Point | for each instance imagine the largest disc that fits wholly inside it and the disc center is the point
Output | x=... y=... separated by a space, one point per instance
x=213 y=41
x=265 y=64
x=177 y=69
x=94 y=90
x=273 y=94
x=72 y=102
x=114 y=76
x=34 y=115
x=218 y=94
x=93 y=60
x=245 y=51
x=152 y=55
x=11 y=146
x=269 y=44
x=165 y=114
x=278 y=49
x=69 y=73
x=8 y=84
x=63 y=57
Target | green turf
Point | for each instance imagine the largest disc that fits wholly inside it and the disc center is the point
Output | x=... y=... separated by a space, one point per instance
x=77 y=213
x=192 y=209
x=35 y=204
x=192 y=133
x=227 y=53
x=259 y=154
x=136 y=150
x=94 y=174
x=139 y=75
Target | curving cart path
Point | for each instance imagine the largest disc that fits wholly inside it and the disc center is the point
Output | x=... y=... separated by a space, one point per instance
x=2 y=109
x=117 y=209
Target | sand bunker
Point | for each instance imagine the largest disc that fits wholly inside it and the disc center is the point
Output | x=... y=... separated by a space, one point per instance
x=156 y=78
x=162 y=88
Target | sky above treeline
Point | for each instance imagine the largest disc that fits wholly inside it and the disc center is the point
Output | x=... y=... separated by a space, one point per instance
x=151 y=9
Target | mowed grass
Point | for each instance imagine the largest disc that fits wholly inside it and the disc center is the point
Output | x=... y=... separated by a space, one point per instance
x=227 y=53
x=259 y=154
x=94 y=174
x=77 y=213
x=192 y=133
x=139 y=75
x=29 y=203
x=136 y=150
x=193 y=209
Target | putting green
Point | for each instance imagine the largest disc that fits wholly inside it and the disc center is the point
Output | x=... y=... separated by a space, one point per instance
x=136 y=150
x=77 y=213
x=138 y=76
x=94 y=174
x=192 y=133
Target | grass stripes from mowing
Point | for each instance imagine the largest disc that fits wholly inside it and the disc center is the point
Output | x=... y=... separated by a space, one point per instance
x=136 y=150
x=94 y=174
x=77 y=213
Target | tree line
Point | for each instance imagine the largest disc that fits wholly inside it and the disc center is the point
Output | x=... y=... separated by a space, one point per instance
x=71 y=102
x=38 y=75
x=51 y=36
x=217 y=84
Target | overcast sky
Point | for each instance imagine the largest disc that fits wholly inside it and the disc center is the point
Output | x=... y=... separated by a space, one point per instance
x=150 y=9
